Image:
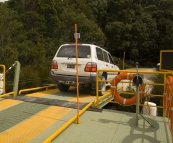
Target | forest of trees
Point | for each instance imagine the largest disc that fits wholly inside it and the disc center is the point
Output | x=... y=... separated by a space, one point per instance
x=32 y=30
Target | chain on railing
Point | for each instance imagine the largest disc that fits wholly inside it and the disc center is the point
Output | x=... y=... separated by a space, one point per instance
x=16 y=77
x=7 y=71
x=2 y=78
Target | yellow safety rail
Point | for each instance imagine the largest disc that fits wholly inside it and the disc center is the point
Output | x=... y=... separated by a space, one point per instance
x=6 y=94
x=55 y=134
x=37 y=88
x=165 y=74
x=3 y=79
x=106 y=95
x=98 y=99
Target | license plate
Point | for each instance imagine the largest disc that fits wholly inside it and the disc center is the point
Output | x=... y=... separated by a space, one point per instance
x=71 y=66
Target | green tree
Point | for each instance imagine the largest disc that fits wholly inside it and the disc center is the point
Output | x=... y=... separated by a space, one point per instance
x=88 y=29
x=161 y=11
x=130 y=29
x=9 y=25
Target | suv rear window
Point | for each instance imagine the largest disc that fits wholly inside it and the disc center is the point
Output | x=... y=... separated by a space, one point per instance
x=70 y=51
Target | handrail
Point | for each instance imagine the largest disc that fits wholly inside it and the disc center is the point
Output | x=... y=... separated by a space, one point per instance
x=36 y=88
x=103 y=96
x=6 y=94
x=98 y=99
x=165 y=75
x=55 y=134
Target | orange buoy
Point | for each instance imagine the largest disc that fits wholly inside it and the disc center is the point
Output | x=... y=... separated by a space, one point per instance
x=167 y=97
x=115 y=94
x=168 y=101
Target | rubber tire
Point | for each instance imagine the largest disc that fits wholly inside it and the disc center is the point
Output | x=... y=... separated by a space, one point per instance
x=63 y=88
x=102 y=86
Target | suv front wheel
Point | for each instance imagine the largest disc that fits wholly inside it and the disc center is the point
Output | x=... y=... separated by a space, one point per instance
x=63 y=88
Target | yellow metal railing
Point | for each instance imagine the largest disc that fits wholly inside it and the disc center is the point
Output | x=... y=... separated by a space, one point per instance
x=37 y=88
x=99 y=99
x=106 y=95
x=6 y=94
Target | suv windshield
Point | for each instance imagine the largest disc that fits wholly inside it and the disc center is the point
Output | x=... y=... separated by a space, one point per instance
x=70 y=51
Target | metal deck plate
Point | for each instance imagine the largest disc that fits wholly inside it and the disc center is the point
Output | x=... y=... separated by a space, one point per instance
x=46 y=101
x=113 y=126
x=14 y=115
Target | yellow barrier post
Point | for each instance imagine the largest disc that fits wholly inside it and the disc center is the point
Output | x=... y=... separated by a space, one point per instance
x=164 y=94
x=97 y=95
x=2 y=79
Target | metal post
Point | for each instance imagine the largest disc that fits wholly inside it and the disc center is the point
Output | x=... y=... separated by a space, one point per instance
x=137 y=94
x=16 y=78
x=77 y=84
x=137 y=105
x=137 y=98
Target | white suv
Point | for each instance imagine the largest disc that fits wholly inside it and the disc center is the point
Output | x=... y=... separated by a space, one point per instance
x=90 y=59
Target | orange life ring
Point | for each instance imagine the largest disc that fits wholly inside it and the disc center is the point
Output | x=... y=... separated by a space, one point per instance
x=168 y=101
x=115 y=94
x=167 y=97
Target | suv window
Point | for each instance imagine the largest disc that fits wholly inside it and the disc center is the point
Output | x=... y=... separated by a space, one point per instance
x=106 y=59
x=99 y=54
x=70 y=51
x=111 y=60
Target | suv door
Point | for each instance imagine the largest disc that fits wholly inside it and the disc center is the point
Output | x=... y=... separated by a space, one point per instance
x=101 y=64
x=109 y=65
x=103 y=61
x=113 y=67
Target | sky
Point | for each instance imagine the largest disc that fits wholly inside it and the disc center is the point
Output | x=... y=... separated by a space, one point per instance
x=3 y=0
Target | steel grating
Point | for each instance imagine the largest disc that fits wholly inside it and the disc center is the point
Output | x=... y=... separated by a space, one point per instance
x=16 y=114
x=46 y=101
